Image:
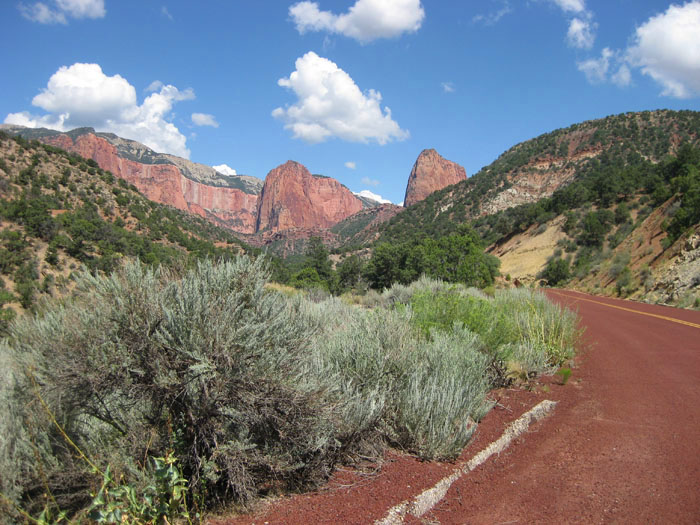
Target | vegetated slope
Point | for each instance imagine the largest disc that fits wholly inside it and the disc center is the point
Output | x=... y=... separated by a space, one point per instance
x=537 y=168
x=290 y=199
x=630 y=231
x=59 y=210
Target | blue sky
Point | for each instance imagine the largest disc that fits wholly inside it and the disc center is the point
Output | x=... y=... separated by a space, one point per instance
x=352 y=89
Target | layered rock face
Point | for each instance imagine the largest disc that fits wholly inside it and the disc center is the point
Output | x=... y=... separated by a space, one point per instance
x=294 y=198
x=291 y=200
x=165 y=183
x=430 y=173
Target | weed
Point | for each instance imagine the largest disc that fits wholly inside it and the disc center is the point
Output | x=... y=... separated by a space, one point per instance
x=564 y=374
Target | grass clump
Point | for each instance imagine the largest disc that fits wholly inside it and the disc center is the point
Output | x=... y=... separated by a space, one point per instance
x=517 y=325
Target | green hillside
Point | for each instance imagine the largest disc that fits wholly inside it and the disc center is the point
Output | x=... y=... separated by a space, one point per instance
x=594 y=150
x=60 y=211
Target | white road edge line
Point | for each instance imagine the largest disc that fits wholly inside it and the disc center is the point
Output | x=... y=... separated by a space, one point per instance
x=427 y=499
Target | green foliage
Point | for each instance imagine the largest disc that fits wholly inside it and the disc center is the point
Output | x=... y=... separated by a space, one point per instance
x=349 y=273
x=622 y=213
x=163 y=501
x=516 y=325
x=307 y=278
x=556 y=272
x=564 y=375
x=454 y=258
x=594 y=226
x=624 y=281
x=684 y=174
x=317 y=255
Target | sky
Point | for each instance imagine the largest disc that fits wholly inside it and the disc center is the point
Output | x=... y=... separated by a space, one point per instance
x=352 y=89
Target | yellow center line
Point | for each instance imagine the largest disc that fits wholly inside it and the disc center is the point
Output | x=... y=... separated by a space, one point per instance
x=672 y=319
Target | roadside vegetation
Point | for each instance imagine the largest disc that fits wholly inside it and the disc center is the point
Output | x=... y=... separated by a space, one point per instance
x=154 y=391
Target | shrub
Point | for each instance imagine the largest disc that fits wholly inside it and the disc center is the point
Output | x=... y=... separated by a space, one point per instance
x=145 y=361
x=391 y=384
x=556 y=272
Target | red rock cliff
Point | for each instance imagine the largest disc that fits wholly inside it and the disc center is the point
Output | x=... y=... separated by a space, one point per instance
x=166 y=184
x=293 y=198
x=430 y=173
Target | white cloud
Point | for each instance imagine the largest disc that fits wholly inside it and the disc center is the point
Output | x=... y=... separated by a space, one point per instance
x=667 y=48
x=83 y=8
x=448 y=87
x=580 y=34
x=370 y=182
x=225 y=170
x=596 y=69
x=82 y=95
x=331 y=105
x=45 y=14
x=365 y=21
x=42 y=13
x=373 y=196
x=154 y=86
x=350 y=165
x=204 y=119
x=623 y=77
x=493 y=18
x=571 y=6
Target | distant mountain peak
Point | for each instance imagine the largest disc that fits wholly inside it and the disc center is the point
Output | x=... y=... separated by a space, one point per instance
x=431 y=172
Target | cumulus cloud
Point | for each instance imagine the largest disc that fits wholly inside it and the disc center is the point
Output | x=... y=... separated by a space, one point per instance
x=82 y=95
x=667 y=48
x=61 y=10
x=370 y=182
x=350 y=165
x=225 y=169
x=373 y=196
x=331 y=105
x=365 y=21
x=204 y=119
x=448 y=87
x=581 y=33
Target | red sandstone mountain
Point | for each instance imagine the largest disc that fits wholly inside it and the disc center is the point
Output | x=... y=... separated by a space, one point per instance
x=291 y=199
x=430 y=173
x=165 y=179
x=294 y=198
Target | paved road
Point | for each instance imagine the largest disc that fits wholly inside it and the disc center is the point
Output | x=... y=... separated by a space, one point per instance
x=624 y=443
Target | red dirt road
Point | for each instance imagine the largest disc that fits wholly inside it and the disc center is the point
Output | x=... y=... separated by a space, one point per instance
x=623 y=444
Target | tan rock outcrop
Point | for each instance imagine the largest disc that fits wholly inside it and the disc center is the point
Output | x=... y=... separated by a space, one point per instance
x=294 y=198
x=430 y=173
